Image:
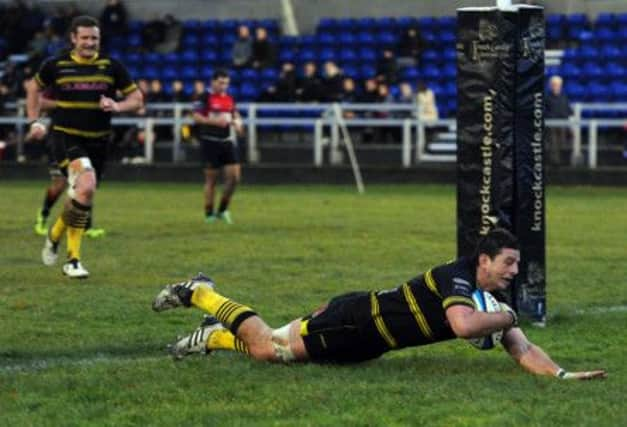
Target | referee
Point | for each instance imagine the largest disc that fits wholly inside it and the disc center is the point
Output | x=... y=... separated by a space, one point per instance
x=83 y=84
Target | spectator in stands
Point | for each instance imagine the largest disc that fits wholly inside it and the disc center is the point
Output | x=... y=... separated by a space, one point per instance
x=286 y=84
x=162 y=35
x=242 y=52
x=406 y=95
x=385 y=97
x=557 y=107
x=264 y=51
x=154 y=95
x=332 y=82
x=153 y=32
x=387 y=67
x=309 y=86
x=113 y=19
x=411 y=44
x=178 y=92
x=349 y=95
x=199 y=92
x=425 y=99
x=369 y=95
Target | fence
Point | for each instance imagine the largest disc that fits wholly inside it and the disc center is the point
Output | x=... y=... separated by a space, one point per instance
x=322 y=120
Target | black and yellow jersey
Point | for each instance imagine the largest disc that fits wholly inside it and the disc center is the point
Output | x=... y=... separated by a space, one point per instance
x=76 y=84
x=415 y=312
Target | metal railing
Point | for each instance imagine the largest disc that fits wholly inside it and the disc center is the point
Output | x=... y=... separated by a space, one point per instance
x=323 y=121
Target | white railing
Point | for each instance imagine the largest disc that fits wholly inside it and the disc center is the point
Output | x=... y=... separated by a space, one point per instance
x=324 y=122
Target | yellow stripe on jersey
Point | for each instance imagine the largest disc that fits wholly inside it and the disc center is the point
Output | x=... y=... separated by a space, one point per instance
x=83 y=133
x=95 y=78
x=431 y=284
x=379 y=323
x=78 y=105
x=457 y=300
x=417 y=312
x=130 y=88
x=38 y=80
x=66 y=63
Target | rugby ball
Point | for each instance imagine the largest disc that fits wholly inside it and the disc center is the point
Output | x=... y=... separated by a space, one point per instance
x=485 y=301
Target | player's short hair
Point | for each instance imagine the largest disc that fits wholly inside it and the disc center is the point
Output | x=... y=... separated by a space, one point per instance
x=219 y=73
x=495 y=241
x=83 y=21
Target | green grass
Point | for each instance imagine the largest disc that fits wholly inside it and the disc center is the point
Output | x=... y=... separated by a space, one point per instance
x=92 y=352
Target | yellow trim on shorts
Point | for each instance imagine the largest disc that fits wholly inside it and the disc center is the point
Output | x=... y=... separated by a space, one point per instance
x=417 y=312
x=100 y=78
x=457 y=300
x=380 y=323
x=431 y=284
x=304 y=328
x=83 y=133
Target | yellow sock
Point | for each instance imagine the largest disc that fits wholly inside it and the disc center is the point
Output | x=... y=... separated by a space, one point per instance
x=57 y=229
x=74 y=238
x=76 y=216
x=223 y=339
x=229 y=313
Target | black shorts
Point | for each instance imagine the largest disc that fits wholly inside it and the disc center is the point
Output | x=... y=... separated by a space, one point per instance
x=218 y=153
x=343 y=332
x=66 y=148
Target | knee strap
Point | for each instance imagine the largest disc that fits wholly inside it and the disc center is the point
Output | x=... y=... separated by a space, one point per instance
x=281 y=344
x=75 y=169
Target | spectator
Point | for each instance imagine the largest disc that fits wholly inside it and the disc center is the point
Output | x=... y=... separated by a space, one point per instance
x=242 y=52
x=154 y=95
x=405 y=96
x=264 y=51
x=178 y=92
x=427 y=106
x=411 y=44
x=387 y=67
x=369 y=95
x=286 y=84
x=113 y=19
x=332 y=82
x=349 y=95
x=153 y=33
x=557 y=107
x=309 y=86
x=199 y=92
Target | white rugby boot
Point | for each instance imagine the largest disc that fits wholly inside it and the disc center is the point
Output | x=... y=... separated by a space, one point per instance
x=196 y=342
x=75 y=270
x=180 y=294
x=50 y=252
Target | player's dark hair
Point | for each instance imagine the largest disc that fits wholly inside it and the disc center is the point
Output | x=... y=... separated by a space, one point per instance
x=83 y=21
x=219 y=73
x=496 y=240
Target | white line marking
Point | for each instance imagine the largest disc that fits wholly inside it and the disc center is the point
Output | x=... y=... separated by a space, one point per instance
x=602 y=310
x=64 y=361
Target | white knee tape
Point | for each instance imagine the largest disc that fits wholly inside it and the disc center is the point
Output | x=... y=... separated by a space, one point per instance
x=74 y=170
x=281 y=344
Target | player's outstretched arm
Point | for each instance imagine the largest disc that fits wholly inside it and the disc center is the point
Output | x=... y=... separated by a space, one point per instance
x=535 y=360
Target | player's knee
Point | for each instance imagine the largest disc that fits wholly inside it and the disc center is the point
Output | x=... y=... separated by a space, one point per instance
x=263 y=352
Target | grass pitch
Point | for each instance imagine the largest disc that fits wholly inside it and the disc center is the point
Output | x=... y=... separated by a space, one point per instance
x=92 y=352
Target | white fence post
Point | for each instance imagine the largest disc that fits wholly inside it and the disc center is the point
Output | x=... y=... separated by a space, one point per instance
x=406 y=143
x=149 y=139
x=592 y=144
x=318 y=143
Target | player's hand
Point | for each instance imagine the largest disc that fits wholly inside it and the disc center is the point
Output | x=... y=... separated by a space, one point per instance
x=583 y=375
x=36 y=131
x=222 y=121
x=507 y=309
x=109 y=105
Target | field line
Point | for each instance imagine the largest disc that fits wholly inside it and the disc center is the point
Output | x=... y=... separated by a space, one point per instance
x=602 y=310
x=64 y=361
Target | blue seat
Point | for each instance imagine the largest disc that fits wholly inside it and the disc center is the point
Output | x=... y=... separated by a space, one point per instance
x=208 y=56
x=597 y=92
x=618 y=91
x=447 y=23
x=209 y=26
x=449 y=70
x=410 y=74
x=191 y=25
x=190 y=56
x=307 y=41
x=152 y=58
x=189 y=72
x=430 y=72
x=366 y=24
x=325 y=39
x=606 y=35
x=387 y=23
x=209 y=41
x=592 y=70
x=426 y=23
x=269 y=74
x=431 y=55
x=134 y=72
x=346 y=38
x=327 y=54
x=351 y=71
x=134 y=41
x=172 y=58
x=287 y=55
x=133 y=58
x=228 y=39
x=570 y=70
x=169 y=73
x=190 y=41
x=306 y=55
x=327 y=25
x=348 y=55
x=367 y=54
x=150 y=72
x=249 y=75
x=365 y=38
x=387 y=39
x=611 y=52
x=405 y=22
x=615 y=70
x=205 y=73
x=367 y=71
x=605 y=19
x=588 y=52
x=248 y=91
x=575 y=90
